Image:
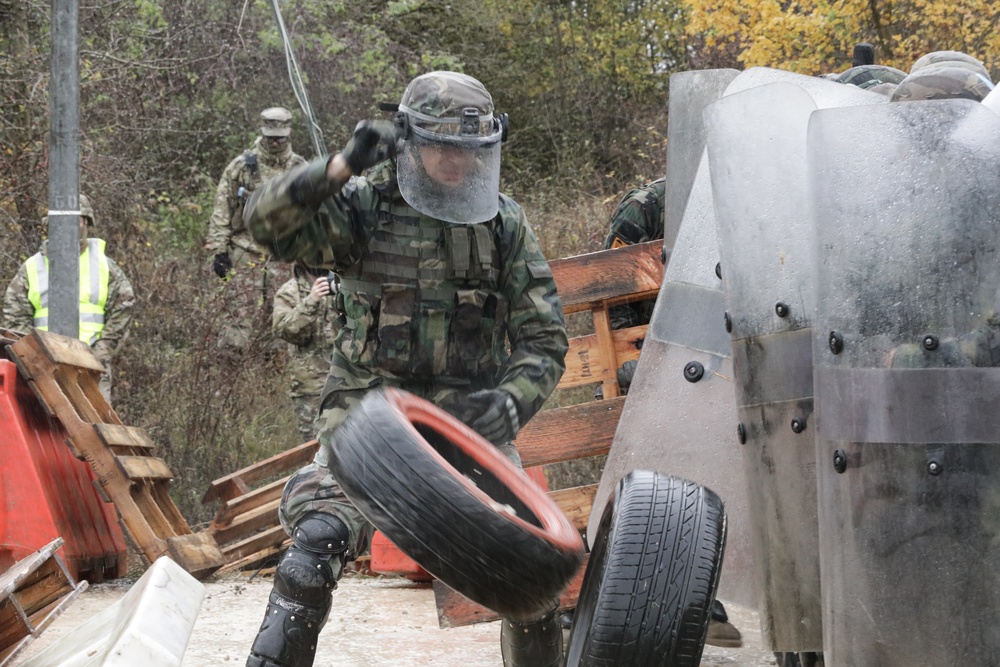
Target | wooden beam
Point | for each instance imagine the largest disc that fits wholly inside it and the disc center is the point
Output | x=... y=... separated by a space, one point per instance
x=613 y=276
x=564 y=434
x=237 y=483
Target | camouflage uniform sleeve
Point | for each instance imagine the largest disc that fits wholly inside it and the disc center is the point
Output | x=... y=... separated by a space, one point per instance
x=220 y=227
x=18 y=313
x=294 y=319
x=302 y=216
x=628 y=225
x=117 y=310
x=535 y=323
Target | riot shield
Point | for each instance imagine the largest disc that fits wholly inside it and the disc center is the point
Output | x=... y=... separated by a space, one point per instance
x=679 y=414
x=757 y=151
x=690 y=93
x=906 y=206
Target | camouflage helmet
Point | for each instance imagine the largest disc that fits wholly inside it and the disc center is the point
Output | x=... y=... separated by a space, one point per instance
x=942 y=81
x=276 y=122
x=868 y=76
x=450 y=113
x=86 y=210
x=950 y=57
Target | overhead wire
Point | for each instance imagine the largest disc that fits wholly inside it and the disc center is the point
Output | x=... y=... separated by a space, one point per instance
x=298 y=85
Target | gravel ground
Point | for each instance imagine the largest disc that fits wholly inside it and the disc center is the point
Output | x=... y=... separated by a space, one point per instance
x=375 y=622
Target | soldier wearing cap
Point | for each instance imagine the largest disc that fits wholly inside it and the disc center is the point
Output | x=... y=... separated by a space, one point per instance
x=106 y=296
x=444 y=292
x=237 y=258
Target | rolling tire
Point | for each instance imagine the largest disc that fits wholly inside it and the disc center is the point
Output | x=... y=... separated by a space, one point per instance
x=454 y=504
x=646 y=597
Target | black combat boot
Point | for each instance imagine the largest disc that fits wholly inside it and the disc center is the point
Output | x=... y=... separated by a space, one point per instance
x=536 y=643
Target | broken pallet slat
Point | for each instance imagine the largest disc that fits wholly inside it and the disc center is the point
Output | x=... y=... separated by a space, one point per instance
x=237 y=483
x=572 y=432
x=116 y=435
x=630 y=273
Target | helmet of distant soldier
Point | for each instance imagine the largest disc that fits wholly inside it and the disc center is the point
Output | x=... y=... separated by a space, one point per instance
x=86 y=210
x=868 y=76
x=276 y=122
x=953 y=58
x=942 y=81
x=448 y=164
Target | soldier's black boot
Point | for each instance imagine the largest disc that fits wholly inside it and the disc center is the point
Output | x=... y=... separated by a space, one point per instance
x=536 y=643
x=300 y=600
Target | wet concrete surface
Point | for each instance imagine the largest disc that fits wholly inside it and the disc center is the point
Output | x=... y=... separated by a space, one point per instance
x=374 y=622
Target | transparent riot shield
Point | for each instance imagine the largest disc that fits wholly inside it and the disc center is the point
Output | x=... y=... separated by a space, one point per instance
x=679 y=414
x=906 y=205
x=690 y=93
x=757 y=151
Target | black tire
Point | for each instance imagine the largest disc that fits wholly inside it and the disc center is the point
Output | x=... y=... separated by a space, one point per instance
x=647 y=594
x=454 y=504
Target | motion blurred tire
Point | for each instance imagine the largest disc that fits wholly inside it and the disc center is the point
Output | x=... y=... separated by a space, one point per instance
x=454 y=504
x=647 y=594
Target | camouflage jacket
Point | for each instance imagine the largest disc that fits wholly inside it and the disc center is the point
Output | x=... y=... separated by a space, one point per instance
x=423 y=300
x=18 y=313
x=225 y=228
x=309 y=326
x=639 y=216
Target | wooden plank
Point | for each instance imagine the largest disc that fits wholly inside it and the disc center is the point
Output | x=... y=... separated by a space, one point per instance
x=139 y=468
x=40 y=621
x=22 y=569
x=564 y=434
x=615 y=276
x=231 y=509
x=236 y=484
x=586 y=365
x=575 y=502
x=67 y=351
x=263 y=540
x=198 y=553
x=117 y=435
x=256 y=557
x=455 y=610
x=248 y=523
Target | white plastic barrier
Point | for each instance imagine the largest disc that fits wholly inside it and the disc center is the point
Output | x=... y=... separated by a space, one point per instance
x=149 y=627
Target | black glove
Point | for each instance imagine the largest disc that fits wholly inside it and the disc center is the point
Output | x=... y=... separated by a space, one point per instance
x=497 y=420
x=373 y=141
x=626 y=373
x=222 y=265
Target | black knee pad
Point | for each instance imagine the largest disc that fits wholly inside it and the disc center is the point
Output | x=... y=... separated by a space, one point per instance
x=300 y=601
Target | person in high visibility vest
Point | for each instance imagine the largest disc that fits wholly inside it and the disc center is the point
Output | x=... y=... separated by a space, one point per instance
x=106 y=296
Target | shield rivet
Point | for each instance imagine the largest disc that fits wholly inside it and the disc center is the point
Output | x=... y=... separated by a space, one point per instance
x=741 y=433
x=930 y=342
x=718 y=270
x=934 y=468
x=694 y=371
x=839 y=461
x=836 y=342
x=781 y=309
x=798 y=425
x=729 y=323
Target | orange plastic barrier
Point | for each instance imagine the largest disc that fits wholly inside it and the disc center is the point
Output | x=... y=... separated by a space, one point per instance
x=46 y=492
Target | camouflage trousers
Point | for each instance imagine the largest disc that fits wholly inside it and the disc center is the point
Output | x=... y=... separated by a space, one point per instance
x=314 y=489
x=249 y=300
x=306 y=409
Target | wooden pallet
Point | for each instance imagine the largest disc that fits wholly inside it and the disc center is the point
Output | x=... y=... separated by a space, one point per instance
x=64 y=375
x=246 y=525
x=32 y=594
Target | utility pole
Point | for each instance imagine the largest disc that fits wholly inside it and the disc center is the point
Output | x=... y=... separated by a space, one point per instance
x=64 y=172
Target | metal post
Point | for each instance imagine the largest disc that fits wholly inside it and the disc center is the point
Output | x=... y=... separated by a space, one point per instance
x=64 y=173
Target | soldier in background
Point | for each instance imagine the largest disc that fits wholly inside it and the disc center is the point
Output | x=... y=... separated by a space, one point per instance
x=106 y=296
x=439 y=271
x=237 y=258
x=304 y=317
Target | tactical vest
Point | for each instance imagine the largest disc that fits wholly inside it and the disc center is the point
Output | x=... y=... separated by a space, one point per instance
x=95 y=276
x=424 y=300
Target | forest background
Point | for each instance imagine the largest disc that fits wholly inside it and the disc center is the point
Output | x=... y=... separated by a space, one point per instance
x=171 y=91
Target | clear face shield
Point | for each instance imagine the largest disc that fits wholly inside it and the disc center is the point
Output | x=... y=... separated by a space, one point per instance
x=449 y=168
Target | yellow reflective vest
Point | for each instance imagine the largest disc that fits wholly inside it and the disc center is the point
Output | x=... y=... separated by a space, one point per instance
x=94 y=278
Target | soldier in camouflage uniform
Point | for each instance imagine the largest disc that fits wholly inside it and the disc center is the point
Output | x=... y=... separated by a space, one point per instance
x=106 y=297
x=439 y=273
x=245 y=265
x=304 y=317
